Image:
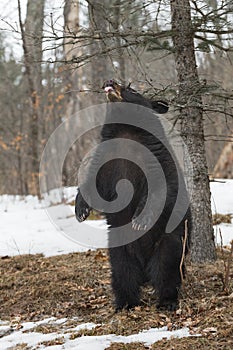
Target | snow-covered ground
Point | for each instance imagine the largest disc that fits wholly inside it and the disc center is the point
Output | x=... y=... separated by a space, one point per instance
x=222 y=203
x=26 y=335
x=28 y=227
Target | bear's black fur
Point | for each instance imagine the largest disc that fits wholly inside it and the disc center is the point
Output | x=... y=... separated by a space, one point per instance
x=155 y=254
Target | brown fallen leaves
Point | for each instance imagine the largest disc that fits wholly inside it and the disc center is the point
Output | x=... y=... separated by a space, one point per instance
x=79 y=285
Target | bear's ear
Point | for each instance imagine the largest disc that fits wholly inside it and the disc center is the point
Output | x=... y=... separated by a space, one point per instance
x=160 y=106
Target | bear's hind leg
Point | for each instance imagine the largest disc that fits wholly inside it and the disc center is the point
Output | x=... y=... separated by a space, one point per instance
x=164 y=270
x=127 y=278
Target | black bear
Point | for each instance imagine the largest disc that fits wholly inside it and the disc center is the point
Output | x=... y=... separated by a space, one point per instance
x=141 y=247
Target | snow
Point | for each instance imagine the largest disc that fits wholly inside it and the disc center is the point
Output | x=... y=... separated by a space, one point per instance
x=222 y=203
x=34 y=339
x=222 y=196
x=31 y=226
x=27 y=229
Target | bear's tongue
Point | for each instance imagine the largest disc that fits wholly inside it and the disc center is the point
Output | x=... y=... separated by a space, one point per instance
x=108 y=88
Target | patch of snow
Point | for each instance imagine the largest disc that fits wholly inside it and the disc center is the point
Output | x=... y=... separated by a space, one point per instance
x=26 y=326
x=223 y=234
x=34 y=339
x=222 y=196
x=147 y=337
x=27 y=229
x=31 y=339
x=88 y=325
x=222 y=203
x=4 y=330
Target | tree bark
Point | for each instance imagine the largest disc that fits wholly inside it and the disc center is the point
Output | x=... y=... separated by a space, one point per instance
x=191 y=116
x=72 y=79
x=32 y=47
x=72 y=75
x=97 y=13
x=120 y=51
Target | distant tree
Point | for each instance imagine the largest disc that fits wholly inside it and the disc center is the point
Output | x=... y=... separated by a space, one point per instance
x=31 y=34
x=99 y=64
x=71 y=76
x=18 y=174
x=13 y=109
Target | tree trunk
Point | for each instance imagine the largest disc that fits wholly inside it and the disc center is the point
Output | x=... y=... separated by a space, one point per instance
x=120 y=51
x=224 y=165
x=191 y=116
x=32 y=47
x=72 y=76
x=97 y=13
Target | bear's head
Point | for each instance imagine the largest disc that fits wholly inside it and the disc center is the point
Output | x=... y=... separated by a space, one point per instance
x=117 y=92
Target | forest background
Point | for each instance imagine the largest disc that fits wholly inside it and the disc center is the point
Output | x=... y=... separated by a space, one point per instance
x=55 y=55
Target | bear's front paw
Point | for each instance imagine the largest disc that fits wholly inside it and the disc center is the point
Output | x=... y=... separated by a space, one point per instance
x=139 y=225
x=143 y=223
x=82 y=209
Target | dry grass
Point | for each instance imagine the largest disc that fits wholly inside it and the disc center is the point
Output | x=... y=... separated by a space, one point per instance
x=34 y=287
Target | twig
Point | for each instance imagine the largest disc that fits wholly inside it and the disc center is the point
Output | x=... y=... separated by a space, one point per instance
x=184 y=248
x=218 y=181
x=16 y=245
x=221 y=240
x=227 y=266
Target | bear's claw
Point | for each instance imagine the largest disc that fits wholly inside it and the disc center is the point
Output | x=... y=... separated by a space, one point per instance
x=82 y=209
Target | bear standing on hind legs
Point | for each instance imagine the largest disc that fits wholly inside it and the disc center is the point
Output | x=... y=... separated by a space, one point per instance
x=144 y=198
